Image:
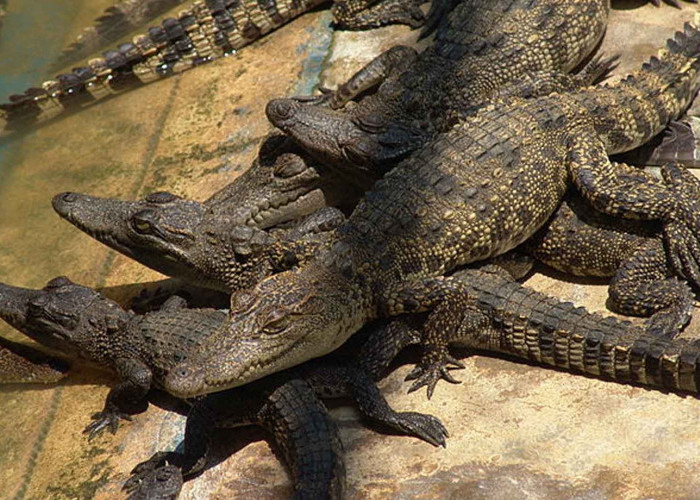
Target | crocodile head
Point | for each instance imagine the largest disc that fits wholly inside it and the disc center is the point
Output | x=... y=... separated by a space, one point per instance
x=177 y=237
x=285 y=320
x=73 y=319
x=353 y=142
x=157 y=231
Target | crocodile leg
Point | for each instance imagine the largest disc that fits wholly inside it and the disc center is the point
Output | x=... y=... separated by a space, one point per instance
x=297 y=421
x=390 y=62
x=448 y=303
x=130 y=394
x=641 y=287
x=606 y=187
x=364 y=14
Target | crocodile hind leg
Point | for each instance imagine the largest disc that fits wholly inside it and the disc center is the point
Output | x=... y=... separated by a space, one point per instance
x=297 y=421
x=364 y=14
x=609 y=190
x=642 y=287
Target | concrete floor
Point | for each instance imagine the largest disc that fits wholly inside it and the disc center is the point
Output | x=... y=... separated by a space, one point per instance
x=516 y=431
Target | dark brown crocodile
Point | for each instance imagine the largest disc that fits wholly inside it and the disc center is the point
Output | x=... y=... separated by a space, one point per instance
x=81 y=323
x=473 y=193
x=482 y=48
x=212 y=249
x=203 y=31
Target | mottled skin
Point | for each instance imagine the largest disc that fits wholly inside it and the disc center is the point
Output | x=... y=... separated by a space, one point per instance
x=481 y=47
x=509 y=318
x=221 y=243
x=220 y=253
x=83 y=324
x=473 y=193
x=203 y=31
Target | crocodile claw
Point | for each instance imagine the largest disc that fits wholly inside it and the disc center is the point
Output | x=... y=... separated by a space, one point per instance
x=105 y=419
x=428 y=374
x=155 y=478
x=426 y=427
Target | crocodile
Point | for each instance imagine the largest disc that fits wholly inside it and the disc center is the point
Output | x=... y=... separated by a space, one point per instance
x=483 y=48
x=220 y=243
x=202 y=32
x=470 y=194
x=227 y=256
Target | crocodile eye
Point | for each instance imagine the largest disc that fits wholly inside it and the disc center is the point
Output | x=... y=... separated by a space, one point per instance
x=276 y=321
x=354 y=155
x=242 y=301
x=371 y=123
x=141 y=222
x=58 y=283
x=288 y=166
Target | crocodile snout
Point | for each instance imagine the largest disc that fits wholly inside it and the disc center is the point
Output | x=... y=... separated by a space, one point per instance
x=61 y=201
x=280 y=110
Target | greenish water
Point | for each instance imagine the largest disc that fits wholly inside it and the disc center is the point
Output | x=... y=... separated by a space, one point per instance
x=31 y=36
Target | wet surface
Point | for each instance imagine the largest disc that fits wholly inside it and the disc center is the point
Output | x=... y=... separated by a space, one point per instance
x=516 y=430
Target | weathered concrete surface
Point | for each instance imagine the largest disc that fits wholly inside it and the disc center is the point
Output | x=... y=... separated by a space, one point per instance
x=516 y=430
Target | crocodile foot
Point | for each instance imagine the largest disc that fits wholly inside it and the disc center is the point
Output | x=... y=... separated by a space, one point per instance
x=435 y=365
x=682 y=232
x=155 y=478
x=105 y=419
x=426 y=427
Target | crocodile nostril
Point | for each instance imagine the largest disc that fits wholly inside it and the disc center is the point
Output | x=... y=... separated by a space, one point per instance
x=69 y=197
x=279 y=109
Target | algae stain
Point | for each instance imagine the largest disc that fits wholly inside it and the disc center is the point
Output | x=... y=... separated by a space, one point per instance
x=318 y=48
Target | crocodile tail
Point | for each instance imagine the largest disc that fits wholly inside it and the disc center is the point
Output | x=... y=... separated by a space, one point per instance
x=201 y=33
x=653 y=96
x=116 y=22
x=531 y=325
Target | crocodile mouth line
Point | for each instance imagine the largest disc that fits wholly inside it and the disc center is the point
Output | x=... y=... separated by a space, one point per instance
x=228 y=382
x=260 y=214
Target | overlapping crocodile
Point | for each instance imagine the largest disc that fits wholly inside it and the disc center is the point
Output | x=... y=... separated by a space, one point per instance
x=84 y=325
x=473 y=193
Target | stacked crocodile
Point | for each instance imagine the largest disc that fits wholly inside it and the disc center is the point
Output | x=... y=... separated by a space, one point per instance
x=484 y=173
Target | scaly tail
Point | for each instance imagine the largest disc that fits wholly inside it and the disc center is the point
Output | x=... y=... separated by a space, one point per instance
x=629 y=113
x=203 y=32
x=528 y=324
x=116 y=22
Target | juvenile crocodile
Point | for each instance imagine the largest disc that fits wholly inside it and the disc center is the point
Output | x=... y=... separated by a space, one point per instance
x=205 y=248
x=482 y=48
x=202 y=32
x=79 y=322
x=473 y=193
x=220 y=243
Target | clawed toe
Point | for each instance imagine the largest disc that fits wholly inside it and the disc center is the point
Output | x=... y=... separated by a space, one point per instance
x=429 y=378
x=103 y=420
x=426 y=427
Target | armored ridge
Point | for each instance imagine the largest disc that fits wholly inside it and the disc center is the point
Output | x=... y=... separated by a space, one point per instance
x=481 y=47
x=201 y=33
x=476 y=192
x=221 y=252
x=527 y=324
x=116 y=22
